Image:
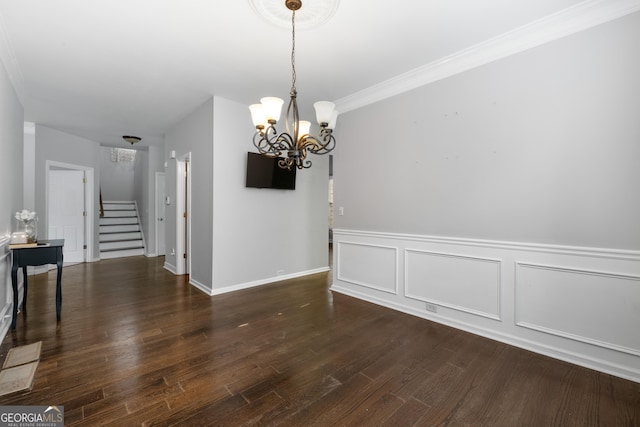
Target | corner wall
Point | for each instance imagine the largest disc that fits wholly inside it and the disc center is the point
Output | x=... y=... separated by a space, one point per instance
x=11 y=183
x=263 y=235
x=504 y=200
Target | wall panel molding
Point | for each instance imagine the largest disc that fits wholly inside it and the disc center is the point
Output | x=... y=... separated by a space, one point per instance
x=577 y=304
x=605 y=306
x=465 y=283
x=379 y=271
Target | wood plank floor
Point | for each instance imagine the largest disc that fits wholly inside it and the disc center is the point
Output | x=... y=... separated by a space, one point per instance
x=139 y=346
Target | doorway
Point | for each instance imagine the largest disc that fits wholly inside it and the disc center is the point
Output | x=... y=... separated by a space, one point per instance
x=183 y=214
x=69 y=209
x=161 y=195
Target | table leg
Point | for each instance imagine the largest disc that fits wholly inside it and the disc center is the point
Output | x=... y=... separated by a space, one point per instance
x=14 y=285
x=23 y=306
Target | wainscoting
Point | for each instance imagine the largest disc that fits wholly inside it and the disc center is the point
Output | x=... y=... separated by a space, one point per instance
x=6 y=293
x=577 y=304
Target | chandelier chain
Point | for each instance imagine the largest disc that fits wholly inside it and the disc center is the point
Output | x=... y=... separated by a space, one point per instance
x=293 y=52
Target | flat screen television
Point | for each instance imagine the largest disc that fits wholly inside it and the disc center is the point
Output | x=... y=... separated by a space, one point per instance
x=264 y=172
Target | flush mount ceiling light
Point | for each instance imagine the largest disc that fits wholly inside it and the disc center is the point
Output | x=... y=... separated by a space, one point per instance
x=131 y=139
x=315 y=13
x=297 y=140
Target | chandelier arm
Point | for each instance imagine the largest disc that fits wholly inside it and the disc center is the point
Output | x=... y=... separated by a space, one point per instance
x=274 y=145
x=323 y=145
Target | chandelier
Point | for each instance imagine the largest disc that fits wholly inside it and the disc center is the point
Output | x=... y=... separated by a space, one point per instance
x=297 y=141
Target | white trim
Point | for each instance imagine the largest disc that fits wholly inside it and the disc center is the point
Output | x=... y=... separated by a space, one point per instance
x=88 y=201
x=169 y=267
x=341 y=277
x=576 y=18
x=260 y=282
x=619 y=254
x=537 y=347
x=565 y=334
x=155 y=216
x=496 y=262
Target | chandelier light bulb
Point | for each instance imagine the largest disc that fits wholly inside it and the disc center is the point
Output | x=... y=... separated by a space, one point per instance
x=324 y=111
x=257 y=115
x=304 y=128
x=272 y=107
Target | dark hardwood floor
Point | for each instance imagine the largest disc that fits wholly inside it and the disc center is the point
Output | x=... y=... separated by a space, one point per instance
x=139 y=346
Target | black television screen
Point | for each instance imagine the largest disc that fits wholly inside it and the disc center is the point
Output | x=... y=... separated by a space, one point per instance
x=264 y=172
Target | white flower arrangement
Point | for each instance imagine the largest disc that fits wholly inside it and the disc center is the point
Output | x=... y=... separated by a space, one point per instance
x=25 y=216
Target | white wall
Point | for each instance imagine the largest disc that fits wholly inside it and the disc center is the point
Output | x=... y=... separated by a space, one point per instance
x=55 y=145
x=11 y=196
x=258 y=233
x=506 y=197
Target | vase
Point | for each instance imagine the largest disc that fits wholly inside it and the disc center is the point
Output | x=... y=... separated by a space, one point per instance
x=29 y=226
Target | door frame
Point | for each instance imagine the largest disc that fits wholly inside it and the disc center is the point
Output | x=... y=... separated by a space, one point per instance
x=183 y=204
x=158 y=175
x=88 y=202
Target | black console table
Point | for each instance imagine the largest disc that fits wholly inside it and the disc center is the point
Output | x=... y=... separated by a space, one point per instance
x=47 y=252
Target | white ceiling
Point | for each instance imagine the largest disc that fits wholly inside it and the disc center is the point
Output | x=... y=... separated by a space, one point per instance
x=106 y=68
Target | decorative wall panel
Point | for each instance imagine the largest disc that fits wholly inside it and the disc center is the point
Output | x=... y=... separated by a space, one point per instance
x=367 y=265
x=594 y=307
x=463 y=283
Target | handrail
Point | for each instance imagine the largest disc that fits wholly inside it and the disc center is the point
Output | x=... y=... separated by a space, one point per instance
x=101 y=205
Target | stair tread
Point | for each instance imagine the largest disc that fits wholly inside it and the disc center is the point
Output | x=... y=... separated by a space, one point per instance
x=121 y=249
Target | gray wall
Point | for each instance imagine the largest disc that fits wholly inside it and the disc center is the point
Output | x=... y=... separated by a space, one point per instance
x=55 y=145
x=242 y=236
x=194 y=134
x=541 y=147
x=260 y=232
x=11 y=200
x=504 y=200
x=148 y=162
x=117 y=178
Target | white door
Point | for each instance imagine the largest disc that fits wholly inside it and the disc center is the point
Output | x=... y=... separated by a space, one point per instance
x=160 y=208
x=66 y=212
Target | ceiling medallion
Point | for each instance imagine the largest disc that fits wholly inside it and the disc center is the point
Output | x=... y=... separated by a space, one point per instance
x=313 y=14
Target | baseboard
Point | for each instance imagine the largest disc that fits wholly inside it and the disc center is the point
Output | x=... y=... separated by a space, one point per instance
x=266 y=281
x=200 y=286
x=554 y=352
x=170 y=268
x=539 y=297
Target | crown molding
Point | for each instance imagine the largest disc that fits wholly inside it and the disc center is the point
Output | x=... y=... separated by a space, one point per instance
x=579 y=17
x=10 y=62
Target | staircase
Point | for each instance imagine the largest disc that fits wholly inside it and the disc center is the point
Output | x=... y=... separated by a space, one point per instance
x=120 y=233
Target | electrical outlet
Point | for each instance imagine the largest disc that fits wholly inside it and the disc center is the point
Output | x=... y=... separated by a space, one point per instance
x=432 y=307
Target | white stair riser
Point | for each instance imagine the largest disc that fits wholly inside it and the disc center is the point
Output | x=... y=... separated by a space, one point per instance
x=119 y=214
x=107 y=221
x=119 y=228
x=120 y=236
x=120 y=254
x=109 y=205
x=120 y=245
